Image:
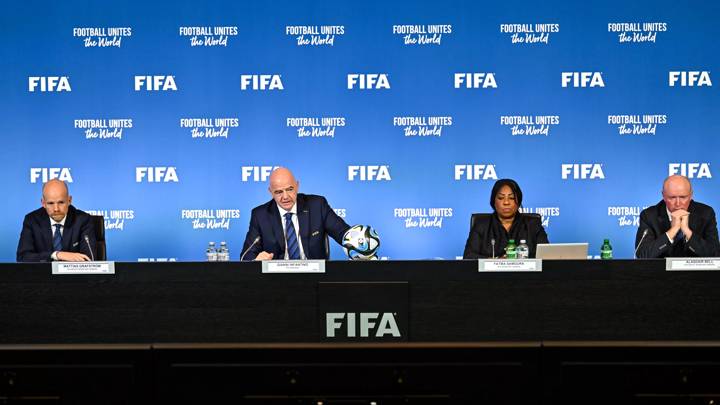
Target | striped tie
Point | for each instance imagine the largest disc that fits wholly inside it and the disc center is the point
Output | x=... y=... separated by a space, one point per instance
x=57 y=238
x=292 y=242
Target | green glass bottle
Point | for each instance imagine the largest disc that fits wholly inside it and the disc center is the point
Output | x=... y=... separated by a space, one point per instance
x=606 y=250
x=511 y=250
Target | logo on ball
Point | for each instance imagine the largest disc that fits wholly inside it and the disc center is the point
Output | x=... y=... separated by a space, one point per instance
x=361 y=243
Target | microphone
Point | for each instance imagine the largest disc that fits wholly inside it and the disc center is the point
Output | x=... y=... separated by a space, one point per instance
x=492 y=242
x=87 y=242
x=645 y=232
x=255 y=241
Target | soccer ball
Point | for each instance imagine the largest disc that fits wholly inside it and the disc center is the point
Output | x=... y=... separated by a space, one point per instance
x=361 y=242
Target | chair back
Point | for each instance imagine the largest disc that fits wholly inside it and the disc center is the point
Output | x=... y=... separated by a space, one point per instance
x=98 y=222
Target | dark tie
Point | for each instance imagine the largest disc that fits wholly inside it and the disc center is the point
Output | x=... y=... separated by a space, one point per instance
x=680 y=237
x=292 y=242
x=57 y=238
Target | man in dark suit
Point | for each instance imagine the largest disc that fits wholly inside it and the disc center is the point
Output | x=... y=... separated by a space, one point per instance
x=291 y=226
x=677 y=226
x=56 y=231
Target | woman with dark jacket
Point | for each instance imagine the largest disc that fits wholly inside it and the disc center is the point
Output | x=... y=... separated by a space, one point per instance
x=490 y=234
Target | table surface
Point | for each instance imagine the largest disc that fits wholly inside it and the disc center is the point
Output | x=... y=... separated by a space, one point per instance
x=447 y=301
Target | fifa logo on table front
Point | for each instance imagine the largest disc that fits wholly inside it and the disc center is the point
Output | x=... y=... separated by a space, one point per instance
x=475 y=172
x=368 y=81
x=690 y=170
x=582 y=171
x=365 y=323
x=369 y=173
x=261 y=82
x=582 y=79
x=155 y=83
x=258 y=173
x=49 y=83
x=689 y=79
x=48 y=173
x=160 y=174
x=475 y=80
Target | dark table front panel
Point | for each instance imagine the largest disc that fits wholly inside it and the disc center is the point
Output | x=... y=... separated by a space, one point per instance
x=447 y=301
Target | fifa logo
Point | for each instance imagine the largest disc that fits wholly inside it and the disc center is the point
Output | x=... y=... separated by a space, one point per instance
x=475 y=172
x=365 y=81
x=49 y=83
x=159 y=174
x=261 y=82
x=582 y=79
x=690 y=170
x=155 y=83
x=366 y=323
x=258 y=173
x=690 y=79
x=369 y=173
x=582 y=171
x=475 y=80
x=49 y=173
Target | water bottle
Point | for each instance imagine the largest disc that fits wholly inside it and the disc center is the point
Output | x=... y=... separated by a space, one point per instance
x=211 y=253
x=510 y=250
x=523 y=251
x=606 y=250
x=223 y=254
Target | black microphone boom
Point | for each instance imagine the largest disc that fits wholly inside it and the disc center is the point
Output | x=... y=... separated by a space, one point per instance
x=87 y=242
x=645 y=232
x=256 y=240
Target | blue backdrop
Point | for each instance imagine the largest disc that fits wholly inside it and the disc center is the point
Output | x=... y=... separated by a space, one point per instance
x=622 y=93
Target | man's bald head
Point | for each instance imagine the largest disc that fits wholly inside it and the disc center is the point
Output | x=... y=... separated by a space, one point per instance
x=677 y=192
x=56 y=199
x=283 y=188
x=54 y=186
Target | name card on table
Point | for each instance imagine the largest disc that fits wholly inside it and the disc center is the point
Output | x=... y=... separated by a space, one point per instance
x=293 y=266
x=690 y=264
x=83 y=267
x=510 y=265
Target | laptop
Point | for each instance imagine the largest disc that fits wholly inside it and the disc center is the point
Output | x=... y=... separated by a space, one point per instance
x=575 y=251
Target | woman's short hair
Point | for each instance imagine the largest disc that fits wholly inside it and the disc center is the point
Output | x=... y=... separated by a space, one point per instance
x=505 y=182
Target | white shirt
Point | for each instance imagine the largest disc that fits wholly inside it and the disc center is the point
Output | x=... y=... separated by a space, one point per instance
x=296 y=225
x=52 y=232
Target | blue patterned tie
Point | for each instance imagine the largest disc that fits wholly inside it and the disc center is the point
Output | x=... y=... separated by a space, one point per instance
x=292 y=242
x=57 y=238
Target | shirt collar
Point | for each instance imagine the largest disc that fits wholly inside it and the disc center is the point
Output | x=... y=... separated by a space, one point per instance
x=62 y=222
x=283 y=212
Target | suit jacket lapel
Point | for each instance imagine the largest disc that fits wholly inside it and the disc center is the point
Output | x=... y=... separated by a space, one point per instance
x=663 y=221
x=304 y=221
x=67 y=231
x=277 y=228
x=693 y=218
x=47 y=231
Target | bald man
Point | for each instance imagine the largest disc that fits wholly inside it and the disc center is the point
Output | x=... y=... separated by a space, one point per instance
x=291 y=226
x=677 y=226
x=57 y=230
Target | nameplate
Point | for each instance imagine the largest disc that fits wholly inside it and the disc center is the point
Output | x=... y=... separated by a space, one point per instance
x=83 y=267
x=509 y=265
x=690 y=264
x=293 y=266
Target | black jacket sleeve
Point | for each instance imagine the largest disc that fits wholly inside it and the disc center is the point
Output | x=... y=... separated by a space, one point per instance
x=333 y=224
x=474 y=241
x=252 y=233
x=705 y=243
x=26 y=245
x=654 y=244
